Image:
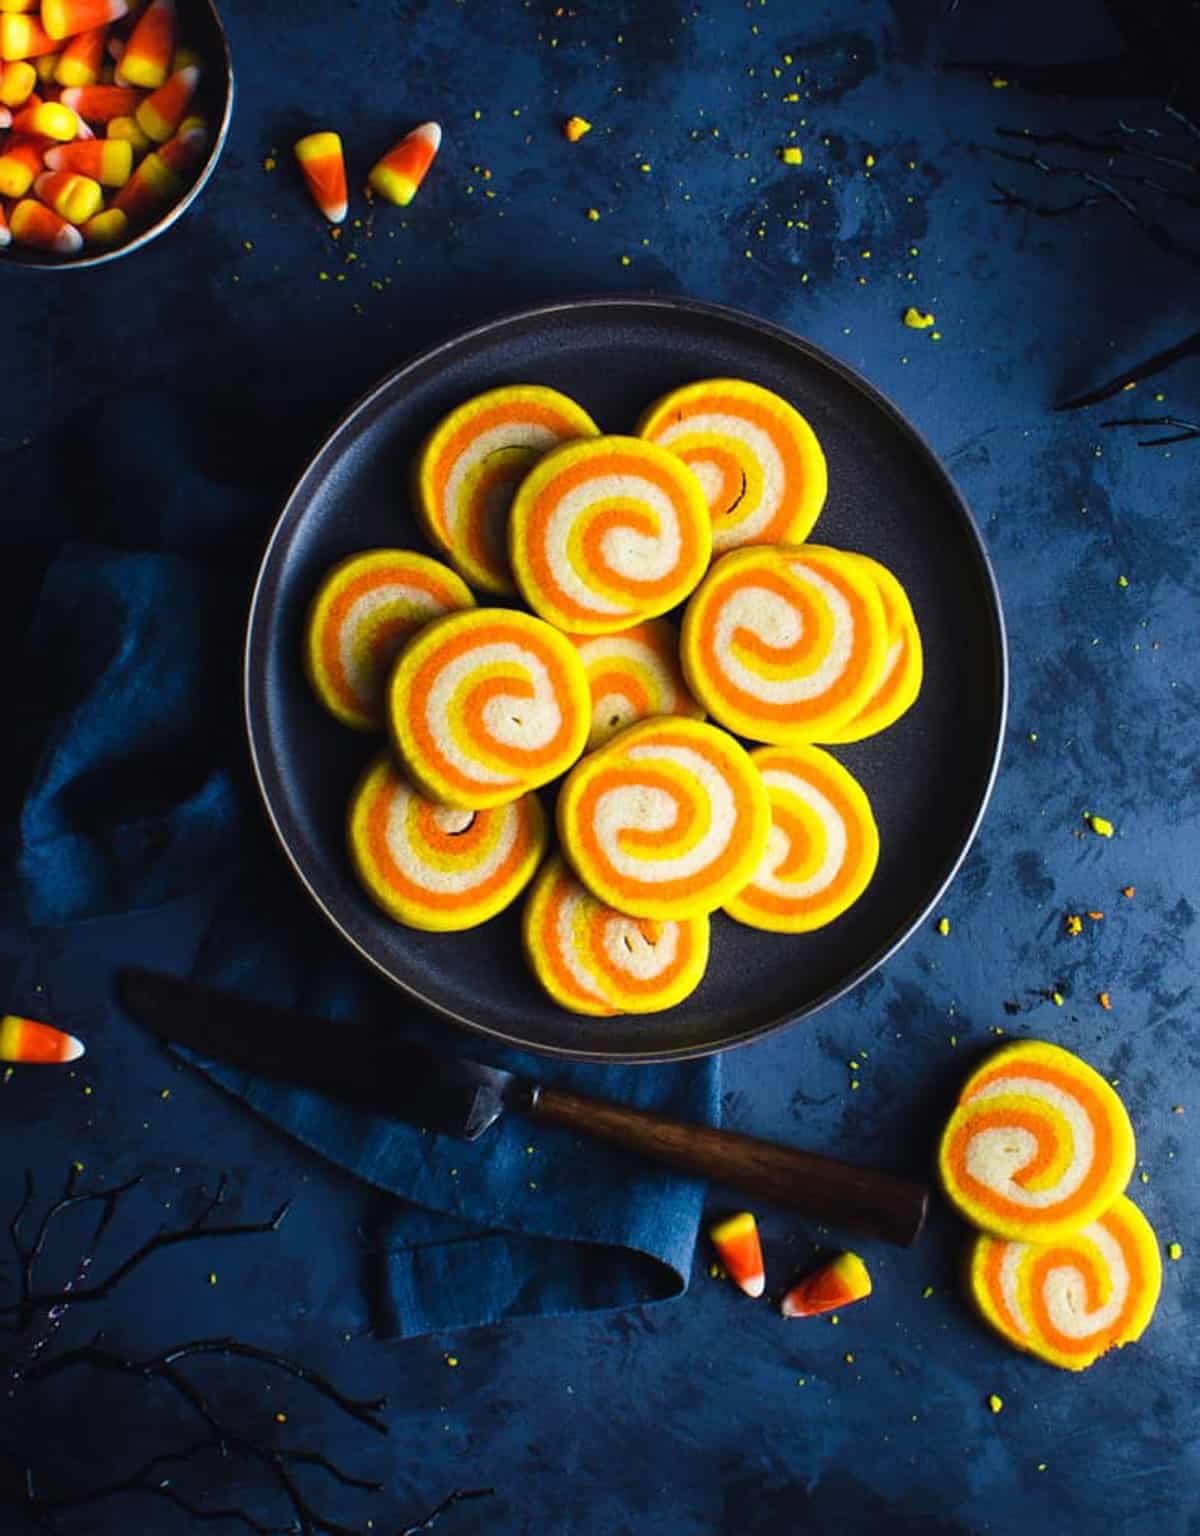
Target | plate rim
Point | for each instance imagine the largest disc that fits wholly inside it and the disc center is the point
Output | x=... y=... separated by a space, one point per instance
x=254 y=711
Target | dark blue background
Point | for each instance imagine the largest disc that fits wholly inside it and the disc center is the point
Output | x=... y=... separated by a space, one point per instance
x=709 y=1414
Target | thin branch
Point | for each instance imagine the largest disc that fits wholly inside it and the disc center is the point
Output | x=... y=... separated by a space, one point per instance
x=1146 y=369
x=1063 y=138
x=1183 y=120
x=191 y=1233
x=459 y=1496
x=1188 y=430
x=364 y=1410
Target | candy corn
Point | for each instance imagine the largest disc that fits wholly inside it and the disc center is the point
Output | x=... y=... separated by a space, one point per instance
x=19 y=5
x=17 y=81
x=27 y=1040
x=147 y=58
x=21 y=37
x=49 y=120
x=81 y=60
x=108 y=161
x=107 y=228
x=64 y=18
x=402 y=170
x=35 y=225
x=834 y=1285
x=152 y=185
x=161 y=114
x=19 y=164
x=100 y=103
x=324 y=167
x=740 y=1251
x=76 y=198
x=127 y=128
x=185 y=151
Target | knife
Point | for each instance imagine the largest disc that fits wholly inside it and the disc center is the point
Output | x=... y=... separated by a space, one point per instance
x=369 y=1068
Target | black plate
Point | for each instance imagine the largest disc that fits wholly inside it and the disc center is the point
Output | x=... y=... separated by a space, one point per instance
x=928 y=777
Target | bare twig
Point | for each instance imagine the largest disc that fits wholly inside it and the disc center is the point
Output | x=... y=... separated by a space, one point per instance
x=1065 y=139
x=1146 y=369
x=192 y=1232
x=1187 y=430
x=459 y=1496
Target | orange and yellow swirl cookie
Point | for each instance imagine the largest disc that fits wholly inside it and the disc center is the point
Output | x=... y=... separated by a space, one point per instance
x=592 y=959
x=822 y=848
x=608 y=531
x=1072 y=1300
x=633 y=675
x=784 y=643
x=903 y=663
x=1038 y=1146
x=757 y=458
x=667 y=821
x=365 y=610
x=435 y=868
x=487 y=704
x=473 y=462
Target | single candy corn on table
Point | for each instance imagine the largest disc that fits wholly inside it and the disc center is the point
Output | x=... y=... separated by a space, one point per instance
x=840 y=1283
x=28 y=1040
x=739 y=1249
x=434 y=868
x=592 y=959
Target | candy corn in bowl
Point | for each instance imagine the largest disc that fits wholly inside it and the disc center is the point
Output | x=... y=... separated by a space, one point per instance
x=113 y=114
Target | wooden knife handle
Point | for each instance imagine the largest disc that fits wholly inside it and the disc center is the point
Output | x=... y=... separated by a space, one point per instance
x=863 y=1200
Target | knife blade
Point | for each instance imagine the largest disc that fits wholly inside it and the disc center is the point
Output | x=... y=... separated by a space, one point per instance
x=372 y=1069
x=359 y=1064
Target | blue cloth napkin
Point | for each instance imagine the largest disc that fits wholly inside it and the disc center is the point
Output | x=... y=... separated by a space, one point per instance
x=138 y=793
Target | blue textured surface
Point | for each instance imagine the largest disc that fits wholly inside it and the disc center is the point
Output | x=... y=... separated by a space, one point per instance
x=223 y=340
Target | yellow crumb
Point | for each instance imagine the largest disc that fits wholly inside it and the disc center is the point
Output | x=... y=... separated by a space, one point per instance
x=1127 y=892
x=269 y=162
x=1057 y=999
x=1175 y=1251
x=995 y=1403
x=593 y=214
x=791 y=155
x=998 y=82
x=1122 y=581
x=1105 y=1001
x=1100 y=825
x=916 y=321
x=574 y=129
x=625 y=260
x=869 y=161
x=1074 y=924
x=943 y=926
x=451 y=1361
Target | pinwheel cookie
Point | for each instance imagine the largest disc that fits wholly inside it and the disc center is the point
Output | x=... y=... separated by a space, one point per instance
x=486 y=704
x=1071 y=1300
x=667 y=821
x=592 y=959
x=472 y=464
x=785 y=643
x=757 y=458
x=632 y=675
x=435 y=868
x=822 y=848
x=903 y=663
x=606 y=532
x=364 y=611
x=1038 y=1146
